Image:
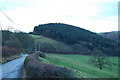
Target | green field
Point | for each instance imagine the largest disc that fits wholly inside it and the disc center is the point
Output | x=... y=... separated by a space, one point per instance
x=44 y=39
x=80 y=67
x=47 y=44
x=77 y=63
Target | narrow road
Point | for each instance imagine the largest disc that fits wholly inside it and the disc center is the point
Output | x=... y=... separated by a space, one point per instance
x=12 y=69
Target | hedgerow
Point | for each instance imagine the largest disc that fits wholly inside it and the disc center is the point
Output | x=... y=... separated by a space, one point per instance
x=34 y=68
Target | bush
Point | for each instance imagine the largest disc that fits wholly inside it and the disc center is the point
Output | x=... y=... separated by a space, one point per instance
x=6 y=51
x=41 y=54
x=54 y=47
x=36 y=69
x=46 y=47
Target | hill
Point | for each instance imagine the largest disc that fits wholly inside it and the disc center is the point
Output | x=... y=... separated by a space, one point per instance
x=114 y=35
x=77 y=38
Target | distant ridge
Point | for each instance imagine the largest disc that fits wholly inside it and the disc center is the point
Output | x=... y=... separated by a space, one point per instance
x=113 y=35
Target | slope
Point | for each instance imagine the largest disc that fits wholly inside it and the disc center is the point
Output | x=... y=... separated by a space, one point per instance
x=79 y=65
x=114 y=35
x=78 y=38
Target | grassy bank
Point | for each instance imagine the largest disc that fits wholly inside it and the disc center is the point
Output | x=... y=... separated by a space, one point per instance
x=6 y=59
x=81 y=68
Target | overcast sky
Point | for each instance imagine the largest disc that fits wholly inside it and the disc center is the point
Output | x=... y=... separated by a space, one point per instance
x=93 y=15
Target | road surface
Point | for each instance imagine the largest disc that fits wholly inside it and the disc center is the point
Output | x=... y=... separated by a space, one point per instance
x=12 y=69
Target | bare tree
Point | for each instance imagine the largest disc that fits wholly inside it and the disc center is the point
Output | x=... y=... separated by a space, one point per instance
x=99 y=59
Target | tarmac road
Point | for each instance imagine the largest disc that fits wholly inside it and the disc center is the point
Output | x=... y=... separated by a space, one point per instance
x=12 y=69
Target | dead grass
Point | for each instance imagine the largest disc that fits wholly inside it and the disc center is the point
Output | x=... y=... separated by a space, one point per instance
x=6 y=59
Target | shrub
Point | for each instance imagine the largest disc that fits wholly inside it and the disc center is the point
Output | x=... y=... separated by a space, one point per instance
x=6 y=51
x=36 y=69
x=53 y=47
x=46 y=47
x=41 y=54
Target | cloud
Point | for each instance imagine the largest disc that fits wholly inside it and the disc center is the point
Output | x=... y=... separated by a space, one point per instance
x=83 y=13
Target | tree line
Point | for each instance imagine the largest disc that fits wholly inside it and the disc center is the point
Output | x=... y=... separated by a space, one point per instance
x=16 y=42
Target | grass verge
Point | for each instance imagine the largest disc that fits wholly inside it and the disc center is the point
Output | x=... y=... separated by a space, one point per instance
x=6 y=59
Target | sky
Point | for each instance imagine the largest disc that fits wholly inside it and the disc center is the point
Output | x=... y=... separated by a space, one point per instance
x=94 y=15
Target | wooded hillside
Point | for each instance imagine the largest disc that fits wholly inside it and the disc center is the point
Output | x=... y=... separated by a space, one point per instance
x=73 y=35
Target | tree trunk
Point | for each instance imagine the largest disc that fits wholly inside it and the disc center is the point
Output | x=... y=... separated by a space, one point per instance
x=100 y=68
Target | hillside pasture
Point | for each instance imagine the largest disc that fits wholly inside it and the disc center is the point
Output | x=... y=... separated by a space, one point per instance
x=80 y=66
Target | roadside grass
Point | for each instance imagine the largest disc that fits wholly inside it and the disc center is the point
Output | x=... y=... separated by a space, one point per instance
x=6 y=59
x=80 y=67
